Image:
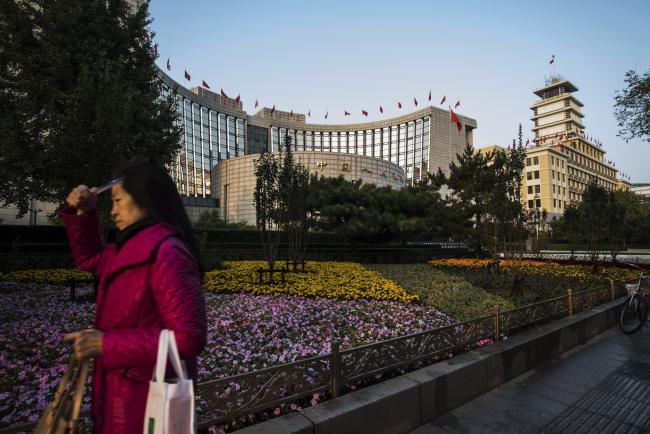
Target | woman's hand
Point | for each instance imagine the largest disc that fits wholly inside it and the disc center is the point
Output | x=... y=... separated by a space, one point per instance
x=82 y=198
x=87 y=343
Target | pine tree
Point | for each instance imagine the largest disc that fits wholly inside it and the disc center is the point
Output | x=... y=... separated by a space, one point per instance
x=86 y=97
x=471 y=181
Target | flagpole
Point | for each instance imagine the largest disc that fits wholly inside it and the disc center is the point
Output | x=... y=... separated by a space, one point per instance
x=554 y=72
x=449 y=123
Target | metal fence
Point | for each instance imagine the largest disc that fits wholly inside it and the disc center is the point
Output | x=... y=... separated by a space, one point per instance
x=225 y=399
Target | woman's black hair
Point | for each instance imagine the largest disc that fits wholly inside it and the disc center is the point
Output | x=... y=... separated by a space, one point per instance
x=153 y=190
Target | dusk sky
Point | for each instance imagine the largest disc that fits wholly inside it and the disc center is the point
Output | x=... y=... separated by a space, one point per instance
x=352 y=55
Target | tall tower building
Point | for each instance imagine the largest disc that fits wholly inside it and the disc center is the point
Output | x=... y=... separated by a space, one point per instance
x=558 y=110
x=563 y=158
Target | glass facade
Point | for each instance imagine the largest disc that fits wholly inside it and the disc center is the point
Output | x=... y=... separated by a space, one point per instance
x=405 y=144
x=207 y=137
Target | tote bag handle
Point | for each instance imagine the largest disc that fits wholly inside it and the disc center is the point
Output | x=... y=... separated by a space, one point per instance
x=167 y=347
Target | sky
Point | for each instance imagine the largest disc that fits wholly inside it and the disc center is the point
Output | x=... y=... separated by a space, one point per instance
x=336 y=55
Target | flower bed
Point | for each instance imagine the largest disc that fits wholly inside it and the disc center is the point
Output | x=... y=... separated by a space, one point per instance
x=337 y=280
x=580 y=273
x=33 y=320
x=245 y=333
x=52 y=276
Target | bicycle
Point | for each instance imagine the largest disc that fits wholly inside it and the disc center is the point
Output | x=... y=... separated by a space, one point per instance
x=635 y=310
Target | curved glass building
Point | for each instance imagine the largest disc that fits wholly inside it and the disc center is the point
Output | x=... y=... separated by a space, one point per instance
x=216 y=128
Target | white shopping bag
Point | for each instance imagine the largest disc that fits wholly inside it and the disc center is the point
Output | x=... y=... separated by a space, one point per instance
x=170 y=406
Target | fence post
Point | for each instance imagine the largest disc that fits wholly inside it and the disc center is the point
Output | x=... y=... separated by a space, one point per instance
x=569 y=293
x=335 y=369
x=612 y=289
x=497 y=323
x=73 y=289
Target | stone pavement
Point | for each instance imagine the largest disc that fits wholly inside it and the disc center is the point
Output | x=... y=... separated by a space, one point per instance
x=602 y=386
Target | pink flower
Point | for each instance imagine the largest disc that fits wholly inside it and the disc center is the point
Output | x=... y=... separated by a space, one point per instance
x=314 y=401
x=277 y=411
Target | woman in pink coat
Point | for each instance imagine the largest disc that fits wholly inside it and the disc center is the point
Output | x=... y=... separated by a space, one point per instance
x=149 y=279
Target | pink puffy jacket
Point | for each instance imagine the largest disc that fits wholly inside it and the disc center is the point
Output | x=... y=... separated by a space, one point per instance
x=152 y=283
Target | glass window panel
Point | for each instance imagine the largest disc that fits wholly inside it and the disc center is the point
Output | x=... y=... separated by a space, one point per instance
x=326 y=142
x=300 y=137
x=359 y=146
x=385 y=144
x=376 y=143
x=367 y=146
x=352 y=140
x=275 y=139
x=318 y=145
x=231 y=137
x=402 y=146
x=223 y=137
x=394 y=131
x=283 y=134
x=240 y=137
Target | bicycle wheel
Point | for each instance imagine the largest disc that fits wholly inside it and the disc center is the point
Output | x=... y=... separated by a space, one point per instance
x=634 y=314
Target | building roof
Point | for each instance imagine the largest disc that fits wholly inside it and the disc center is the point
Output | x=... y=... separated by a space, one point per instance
x=553 y=85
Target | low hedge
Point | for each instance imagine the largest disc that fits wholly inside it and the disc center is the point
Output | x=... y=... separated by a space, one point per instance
x=450 y=294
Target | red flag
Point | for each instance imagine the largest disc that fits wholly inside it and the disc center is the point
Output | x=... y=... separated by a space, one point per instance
x=415 y=101
x=256 y=103
x=309 y=113
x=347 y=113
x=146 y=34
x=363 y=112
x=444 y=98
x=169 y=65
x=187 y=76
x=429 y=95
x=381 y=109
x=205 y=85
x=273 y=109
x=399 y=104
x=326 y=113
x=291 y=114
x=454 y=118
x=457 y=104
x=552 y=61
x=238 y=98
x=223 y=93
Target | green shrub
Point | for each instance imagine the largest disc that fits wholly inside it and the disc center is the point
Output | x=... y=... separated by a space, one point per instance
x=448 y=293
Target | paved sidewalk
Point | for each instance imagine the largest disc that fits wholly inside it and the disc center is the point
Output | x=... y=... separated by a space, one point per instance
x=602 y=386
